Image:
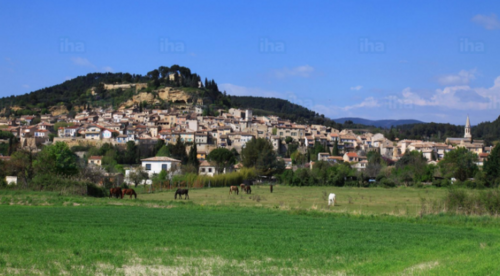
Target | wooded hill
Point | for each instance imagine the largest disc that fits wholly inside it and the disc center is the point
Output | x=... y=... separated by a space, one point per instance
x=76 y=93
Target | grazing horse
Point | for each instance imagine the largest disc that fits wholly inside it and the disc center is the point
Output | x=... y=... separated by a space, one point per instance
x=247 y=189
x=116 y=192
x=129 y=192
x=331 y=199
x=181 y=192
x=242 y=186
x=233 y=188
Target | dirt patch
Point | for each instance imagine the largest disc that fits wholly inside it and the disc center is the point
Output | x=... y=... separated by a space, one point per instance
x=420 y=268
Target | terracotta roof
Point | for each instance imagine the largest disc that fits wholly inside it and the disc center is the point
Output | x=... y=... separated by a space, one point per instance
x=205 y=163
x=352 y=154
x=161 y=158
x=95 y=157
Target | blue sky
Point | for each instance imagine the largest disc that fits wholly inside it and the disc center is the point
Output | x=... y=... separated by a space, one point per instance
x=427 y=60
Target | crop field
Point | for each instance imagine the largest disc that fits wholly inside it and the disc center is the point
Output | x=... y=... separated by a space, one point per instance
x=43 y=233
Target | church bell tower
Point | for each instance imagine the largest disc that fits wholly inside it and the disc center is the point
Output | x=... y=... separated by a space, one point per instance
x=467 y=136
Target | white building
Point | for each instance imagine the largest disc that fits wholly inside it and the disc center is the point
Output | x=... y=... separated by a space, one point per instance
x=206 y=168
x=154 y=165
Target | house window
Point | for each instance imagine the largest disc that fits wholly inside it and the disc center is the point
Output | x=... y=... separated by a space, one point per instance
x=148 y=167
x=202 y=170
x=209 y=170
x=164 y=167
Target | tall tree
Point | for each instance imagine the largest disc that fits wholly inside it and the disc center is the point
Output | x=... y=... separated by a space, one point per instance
x=492 y=164
x=259 y=153
x=222 y=157
x=192 y=157
x=335 y=150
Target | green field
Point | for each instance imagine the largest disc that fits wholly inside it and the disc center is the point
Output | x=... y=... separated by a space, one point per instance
x=368 y=201
x=44 y=233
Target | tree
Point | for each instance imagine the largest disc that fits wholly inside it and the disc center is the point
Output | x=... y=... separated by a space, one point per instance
x=164 y=151
x=56 y=159
x=132 y=154
x=137 y=175
x=159 y=144
x=193 y=158
x=375 y=163
x=318 y=147
x=459 y=163
x=412 y=166
x=335 y=150
x=21 y=164
x=492 y=164
x=259 y=153
x=178 y=151
x=222 y=157
x=298 y=158
x=154 y=75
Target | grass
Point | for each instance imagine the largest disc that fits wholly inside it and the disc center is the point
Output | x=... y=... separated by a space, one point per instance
x=156 y=235
x=368 y=201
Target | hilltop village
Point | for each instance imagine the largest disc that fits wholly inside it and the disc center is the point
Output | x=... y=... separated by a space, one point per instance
x=230 y=129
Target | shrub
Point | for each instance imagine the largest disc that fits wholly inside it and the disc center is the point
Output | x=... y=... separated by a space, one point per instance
x=437 y=183
x=387 y=183
x=220 y=180
x=96 y=191
x=468 y=202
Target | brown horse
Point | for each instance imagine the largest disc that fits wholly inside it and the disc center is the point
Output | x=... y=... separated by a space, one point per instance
x=233 y=188
x=242 y=186
x=247 y=189
x=116 y=192
x=129 y=192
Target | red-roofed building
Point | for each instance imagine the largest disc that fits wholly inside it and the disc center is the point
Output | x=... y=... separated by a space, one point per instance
x=95 y=160
x=351 y=157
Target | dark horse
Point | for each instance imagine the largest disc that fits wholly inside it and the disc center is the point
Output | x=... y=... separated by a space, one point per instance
x=129 y=192
x=247 y=189
x=181 y=192
x=116 y=192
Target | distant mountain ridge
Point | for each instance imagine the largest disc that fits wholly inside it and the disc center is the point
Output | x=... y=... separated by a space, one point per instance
x=378 y=123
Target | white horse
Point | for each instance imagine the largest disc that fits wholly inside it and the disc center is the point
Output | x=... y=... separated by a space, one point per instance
x=331 y=199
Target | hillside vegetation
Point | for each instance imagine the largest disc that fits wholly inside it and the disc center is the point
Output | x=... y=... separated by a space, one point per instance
x=76 y=94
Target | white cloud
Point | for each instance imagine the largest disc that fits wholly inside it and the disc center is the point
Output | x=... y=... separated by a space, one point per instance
x=357 y=88
x=459 y=97
x=237 y=90
x=368 y=102
x=488 y=22
x=463 y=77
x=304 y=71
x=82 y=62
x=107 y=69
x=26 y=86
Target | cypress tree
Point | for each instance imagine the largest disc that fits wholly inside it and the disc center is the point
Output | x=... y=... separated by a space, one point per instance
x=335 y=150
